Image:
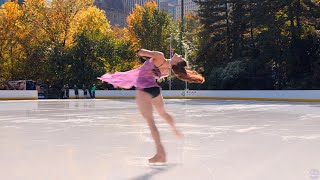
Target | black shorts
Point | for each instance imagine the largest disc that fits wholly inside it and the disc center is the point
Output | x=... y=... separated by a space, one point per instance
x=153 y=91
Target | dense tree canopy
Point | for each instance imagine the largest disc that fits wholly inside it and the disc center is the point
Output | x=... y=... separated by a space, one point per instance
x=150 y=28
x=236 y=44
x=261 y=44
x=58 y=42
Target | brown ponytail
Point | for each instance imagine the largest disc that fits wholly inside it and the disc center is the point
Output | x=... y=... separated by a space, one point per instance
x=184 y=73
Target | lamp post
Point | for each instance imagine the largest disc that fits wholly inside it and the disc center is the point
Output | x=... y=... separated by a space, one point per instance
x=186 y=59
x=170 y=58
x=182 y=22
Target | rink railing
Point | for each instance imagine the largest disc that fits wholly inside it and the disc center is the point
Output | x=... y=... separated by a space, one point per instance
x=265 y=95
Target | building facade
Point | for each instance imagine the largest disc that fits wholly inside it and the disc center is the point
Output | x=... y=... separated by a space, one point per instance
x=118 y=10
x=114 y=9
x=4 y=1
x=131 y=3
x=170 y=7
x=189 y=7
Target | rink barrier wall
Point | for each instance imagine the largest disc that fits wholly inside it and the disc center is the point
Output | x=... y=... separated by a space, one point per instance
x=260 y=95
x=18 y=94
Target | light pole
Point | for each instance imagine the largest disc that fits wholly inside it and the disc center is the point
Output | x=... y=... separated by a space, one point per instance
x=182 y=22
x=170 y=58
x=186 y=59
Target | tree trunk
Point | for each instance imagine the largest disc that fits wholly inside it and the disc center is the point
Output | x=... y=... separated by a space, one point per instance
x=298 y=14
x=228 y=39
x=291 y=18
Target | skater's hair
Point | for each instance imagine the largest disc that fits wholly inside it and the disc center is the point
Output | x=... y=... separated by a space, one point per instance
x=183 y=72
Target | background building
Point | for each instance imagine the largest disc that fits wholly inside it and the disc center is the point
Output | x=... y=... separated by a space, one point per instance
x=118 y=10
x=169 y=6
x=115 y=11
x=2 y=1
x=131 y=3
x=189 y=7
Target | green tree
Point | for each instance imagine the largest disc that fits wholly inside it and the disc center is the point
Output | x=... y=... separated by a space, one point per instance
x=216 y=35
x=95 y=54
x=276 y=41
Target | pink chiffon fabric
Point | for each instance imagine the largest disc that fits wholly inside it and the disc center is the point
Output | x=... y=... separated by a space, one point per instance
x=141 y=77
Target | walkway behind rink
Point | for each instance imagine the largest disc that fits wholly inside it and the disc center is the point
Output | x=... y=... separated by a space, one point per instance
x=108 y=139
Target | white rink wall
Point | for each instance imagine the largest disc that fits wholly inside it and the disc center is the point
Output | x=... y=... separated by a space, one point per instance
x=18 y=94
x=272 y=95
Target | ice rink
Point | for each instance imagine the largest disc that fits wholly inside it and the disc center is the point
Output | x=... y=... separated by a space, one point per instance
x=108 y=139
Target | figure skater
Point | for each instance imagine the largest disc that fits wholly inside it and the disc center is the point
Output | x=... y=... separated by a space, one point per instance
x=148 y=94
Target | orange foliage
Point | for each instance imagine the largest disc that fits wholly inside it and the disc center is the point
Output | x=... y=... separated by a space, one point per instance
x=135 y=18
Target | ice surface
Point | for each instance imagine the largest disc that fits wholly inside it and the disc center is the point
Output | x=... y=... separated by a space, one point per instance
x=108 y=139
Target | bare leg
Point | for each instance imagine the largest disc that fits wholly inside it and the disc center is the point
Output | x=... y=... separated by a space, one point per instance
x=143 y=100
x=159 y=106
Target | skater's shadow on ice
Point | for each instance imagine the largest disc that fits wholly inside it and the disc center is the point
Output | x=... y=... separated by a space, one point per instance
x=154 y=171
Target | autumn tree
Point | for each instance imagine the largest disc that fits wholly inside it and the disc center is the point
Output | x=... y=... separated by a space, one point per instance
x=11 y=32
x=96 y=48
x=58 y=42
x=150 y=28
x=54 y=18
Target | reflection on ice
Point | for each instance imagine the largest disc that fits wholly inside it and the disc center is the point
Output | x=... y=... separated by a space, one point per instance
x=248 y=129
x=310 y=137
